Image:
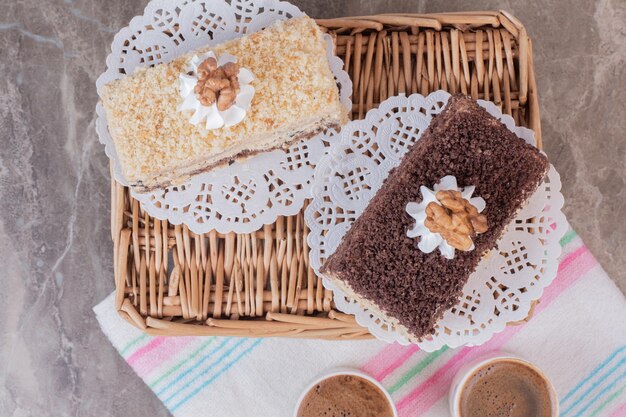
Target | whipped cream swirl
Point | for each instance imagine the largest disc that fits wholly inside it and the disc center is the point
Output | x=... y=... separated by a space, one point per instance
x=429 y=241
x=211 y=116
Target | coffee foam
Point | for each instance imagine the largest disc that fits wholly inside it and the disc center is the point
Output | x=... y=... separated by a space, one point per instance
x=345 y=396
x=506 y=388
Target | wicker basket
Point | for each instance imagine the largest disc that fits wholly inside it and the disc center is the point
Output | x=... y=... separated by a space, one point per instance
x=170 y=281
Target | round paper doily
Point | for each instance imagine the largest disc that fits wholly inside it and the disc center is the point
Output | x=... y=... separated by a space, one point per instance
x=246 y=195
x=504 y=285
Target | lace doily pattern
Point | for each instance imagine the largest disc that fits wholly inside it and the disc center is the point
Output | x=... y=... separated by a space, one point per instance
x=246 y=195
x=506 y=282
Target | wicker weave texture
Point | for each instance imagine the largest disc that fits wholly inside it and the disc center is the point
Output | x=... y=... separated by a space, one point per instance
x=170 y=281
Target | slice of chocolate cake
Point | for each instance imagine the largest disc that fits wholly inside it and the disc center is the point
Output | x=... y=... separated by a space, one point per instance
x=383 y=268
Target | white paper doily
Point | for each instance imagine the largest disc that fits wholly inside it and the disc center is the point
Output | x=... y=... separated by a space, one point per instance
x=504 y=284
x=244 y=196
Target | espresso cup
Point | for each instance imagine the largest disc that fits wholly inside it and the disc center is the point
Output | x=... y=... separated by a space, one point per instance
x=338 y=372
x=467 y=377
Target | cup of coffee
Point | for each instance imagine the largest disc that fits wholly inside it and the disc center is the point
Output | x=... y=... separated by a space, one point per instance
x=345 y=392
x=502 y=385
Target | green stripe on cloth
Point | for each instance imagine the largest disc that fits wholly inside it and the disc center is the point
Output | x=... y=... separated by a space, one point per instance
x=182 y=362
x=132 y=343
x=568 y=237
x=606 y=402
x=419 y=367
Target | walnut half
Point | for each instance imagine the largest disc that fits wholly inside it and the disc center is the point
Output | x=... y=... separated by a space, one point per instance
x=217 y=84
x=455 y=219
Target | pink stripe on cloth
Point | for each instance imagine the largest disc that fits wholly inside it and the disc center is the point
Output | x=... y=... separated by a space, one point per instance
x=388 y=360
x=160 y=349
x=424 y=396
x=620 y=412
x=153 y=344
x=569 y=259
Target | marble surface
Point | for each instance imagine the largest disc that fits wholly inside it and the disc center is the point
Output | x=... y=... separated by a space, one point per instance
x=55 y=243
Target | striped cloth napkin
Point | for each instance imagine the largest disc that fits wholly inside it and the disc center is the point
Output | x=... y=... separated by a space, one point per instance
x=577 y=336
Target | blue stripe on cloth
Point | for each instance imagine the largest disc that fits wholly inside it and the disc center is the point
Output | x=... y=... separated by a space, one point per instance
x=594 y=385
x=223 y=356
x=602 y=378
x=595 y=371
x=600 y=394
x=221 y=371
x=192 y=367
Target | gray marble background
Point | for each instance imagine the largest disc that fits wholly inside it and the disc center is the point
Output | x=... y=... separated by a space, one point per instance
x=55 y=245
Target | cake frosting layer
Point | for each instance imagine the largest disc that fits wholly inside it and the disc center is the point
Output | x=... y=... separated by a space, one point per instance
x=384 y=267
x=294 y=87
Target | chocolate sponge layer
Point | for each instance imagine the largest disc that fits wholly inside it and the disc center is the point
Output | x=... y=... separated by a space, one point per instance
x=384 y=267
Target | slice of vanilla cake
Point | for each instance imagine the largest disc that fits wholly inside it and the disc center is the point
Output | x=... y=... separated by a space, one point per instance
x=221 y=103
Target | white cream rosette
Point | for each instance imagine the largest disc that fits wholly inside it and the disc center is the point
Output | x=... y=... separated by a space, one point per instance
x=429 y=241
x=211 y=116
